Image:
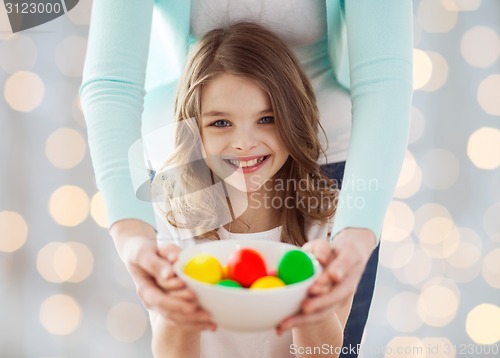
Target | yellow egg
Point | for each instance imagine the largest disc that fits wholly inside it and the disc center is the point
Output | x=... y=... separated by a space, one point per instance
x=204 y=268
x=267 y=282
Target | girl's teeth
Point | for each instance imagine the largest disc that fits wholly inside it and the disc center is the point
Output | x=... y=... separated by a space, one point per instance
x=246 y=164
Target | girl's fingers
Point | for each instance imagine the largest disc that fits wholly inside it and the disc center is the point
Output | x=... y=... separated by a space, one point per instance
x=174 y=283
x=321 y=285
x=336 y=296
x=169 y=251
x=146 y=260
x=321 y=250
x=187 y=295
x=167 y=304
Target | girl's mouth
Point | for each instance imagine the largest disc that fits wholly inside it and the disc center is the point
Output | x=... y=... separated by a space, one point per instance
x=247 y=165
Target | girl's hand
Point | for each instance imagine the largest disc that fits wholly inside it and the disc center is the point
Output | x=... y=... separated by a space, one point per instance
x=343 y=264
x=152 y=273
x=188 y=314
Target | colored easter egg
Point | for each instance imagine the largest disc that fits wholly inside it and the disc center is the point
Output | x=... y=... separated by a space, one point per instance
x=228 y=283
x=267 y=282
x=225 y=272
x=295 y=266
x=204 y=267
x=245 y=266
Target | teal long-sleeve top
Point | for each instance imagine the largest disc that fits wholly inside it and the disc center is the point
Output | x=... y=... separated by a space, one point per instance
x=370 y=51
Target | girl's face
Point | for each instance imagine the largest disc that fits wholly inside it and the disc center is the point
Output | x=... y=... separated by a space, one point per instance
x=239 y=135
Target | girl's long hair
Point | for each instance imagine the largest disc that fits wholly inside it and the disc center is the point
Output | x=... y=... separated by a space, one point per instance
x=251 y=51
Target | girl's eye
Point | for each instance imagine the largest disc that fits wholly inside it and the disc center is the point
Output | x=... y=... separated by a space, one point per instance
x=220 y=123
x=266 y=120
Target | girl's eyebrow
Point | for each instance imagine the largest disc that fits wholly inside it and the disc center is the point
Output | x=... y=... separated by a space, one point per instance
x=225 y=114
x=215 y=114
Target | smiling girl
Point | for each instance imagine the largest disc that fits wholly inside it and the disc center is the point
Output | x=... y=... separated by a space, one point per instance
x=247 y=120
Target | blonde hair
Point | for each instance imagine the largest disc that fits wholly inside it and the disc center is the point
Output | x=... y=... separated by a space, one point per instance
x=247 y=50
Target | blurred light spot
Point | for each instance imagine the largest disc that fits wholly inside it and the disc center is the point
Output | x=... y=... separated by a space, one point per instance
x=439 y=72
x=70 y=55
x=24 y=91
x=491 y=268
x=98 y=210
x=405 y=347
x=437 y=305
x=469 y=249
x=433 y=16
x=77 y=111
x=56 y=262
x=410 y=178
x=422 y=69
x=487 y=95
x=491 y=222
x=80 y=14
x=464 y=265
x=399 y=222
x=483 y=148
x=428 y=211
x=402 y=312
x=65 y=262
x=483 y=324
x=462 y=5
x=416 y=270
x=417 y=125
x=439 y=347
x=18 y=53
x=84 y=263
x=126 y=321
x=65 y=148
x=440 y=169
x=69 y=205
x=13 y=231
x=439 y=237
x=60 y=314
x=396 y=254
x=480 y=46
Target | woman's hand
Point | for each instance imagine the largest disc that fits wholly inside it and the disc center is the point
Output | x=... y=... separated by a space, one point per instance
x=152 y=272
x=343 y=262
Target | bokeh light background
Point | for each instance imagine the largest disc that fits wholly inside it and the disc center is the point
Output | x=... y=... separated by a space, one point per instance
x=65 y=293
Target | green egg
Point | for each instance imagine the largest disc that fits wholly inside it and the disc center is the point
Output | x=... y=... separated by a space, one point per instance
x=295 y=266
x=228 y=283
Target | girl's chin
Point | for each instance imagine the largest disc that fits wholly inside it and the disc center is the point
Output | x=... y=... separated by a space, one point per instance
x=245 y=187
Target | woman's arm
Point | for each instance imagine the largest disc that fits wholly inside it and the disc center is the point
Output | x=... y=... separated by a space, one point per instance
x=112 y=94
x=379 y=39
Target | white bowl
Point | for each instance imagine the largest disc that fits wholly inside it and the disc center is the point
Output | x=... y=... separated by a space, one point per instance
x=243 y=309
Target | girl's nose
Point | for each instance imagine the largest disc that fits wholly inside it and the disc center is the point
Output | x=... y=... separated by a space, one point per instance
x=244 y=141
